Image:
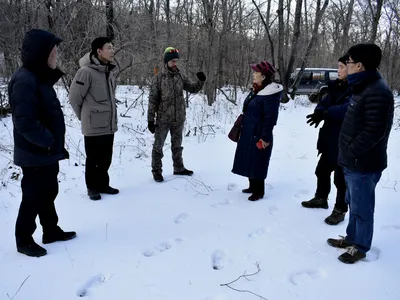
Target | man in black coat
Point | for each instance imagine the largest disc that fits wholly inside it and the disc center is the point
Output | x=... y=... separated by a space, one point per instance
x=362 y=147
x=39 y=131
x=332 y=109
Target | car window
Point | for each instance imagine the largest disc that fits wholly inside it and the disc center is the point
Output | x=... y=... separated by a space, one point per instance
x=306 y=76
x=318 y=75
x=333 y=75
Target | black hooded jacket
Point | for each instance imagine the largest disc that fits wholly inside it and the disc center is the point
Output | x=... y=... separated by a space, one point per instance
x=39 y=127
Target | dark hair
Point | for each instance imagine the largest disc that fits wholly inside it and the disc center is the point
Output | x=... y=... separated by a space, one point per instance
x=98 y=43
x=343 y=59
x=368 y=54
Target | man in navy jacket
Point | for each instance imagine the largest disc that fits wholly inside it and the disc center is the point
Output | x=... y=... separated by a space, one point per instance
x=362 y=147
x=39 y=131
x=332 y=110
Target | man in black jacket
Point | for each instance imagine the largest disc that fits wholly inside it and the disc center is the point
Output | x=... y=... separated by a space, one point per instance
x=39 y=131
x=332 y=109
x=362 y=147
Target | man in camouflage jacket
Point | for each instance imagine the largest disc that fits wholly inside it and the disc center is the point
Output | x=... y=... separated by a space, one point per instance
x=167 y=112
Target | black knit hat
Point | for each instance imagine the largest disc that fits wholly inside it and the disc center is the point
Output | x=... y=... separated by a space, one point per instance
x=368 y=54
x=98 y=43
x=343 y=59
x=170 y=53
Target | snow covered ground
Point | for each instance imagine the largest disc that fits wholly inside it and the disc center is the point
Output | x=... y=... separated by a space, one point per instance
x=185 y=238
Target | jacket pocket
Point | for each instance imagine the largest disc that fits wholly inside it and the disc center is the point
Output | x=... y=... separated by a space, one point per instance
x=100 y=119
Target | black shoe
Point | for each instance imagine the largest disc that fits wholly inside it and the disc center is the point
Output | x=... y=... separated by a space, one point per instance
x=351 y=256
x=94 y=195
x=336 y=217
x=255 y=197
x=109 y=190
x=184 y=172
x=339 y=243
x=58 y=236
x=247 y=191
x=32 y=249
x=158 y=177
x=316 y=202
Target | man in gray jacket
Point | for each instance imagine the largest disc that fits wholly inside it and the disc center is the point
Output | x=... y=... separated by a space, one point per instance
x=92 y=97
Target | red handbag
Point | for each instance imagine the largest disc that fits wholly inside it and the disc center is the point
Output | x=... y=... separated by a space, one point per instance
x=234 y=134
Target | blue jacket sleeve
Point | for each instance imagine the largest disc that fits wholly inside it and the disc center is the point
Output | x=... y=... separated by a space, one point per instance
x=269 y=119
x=324 y=103
x=25 y=113
x=338 y=111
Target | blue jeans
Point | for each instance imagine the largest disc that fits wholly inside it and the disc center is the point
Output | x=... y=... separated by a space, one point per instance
x=360 y=196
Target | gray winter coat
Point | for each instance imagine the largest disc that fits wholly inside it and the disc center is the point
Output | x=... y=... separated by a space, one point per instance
x=92 y=97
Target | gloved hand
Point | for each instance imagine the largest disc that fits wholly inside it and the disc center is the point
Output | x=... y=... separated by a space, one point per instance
x=201 y=76
x=151 y=126
x=315 y=118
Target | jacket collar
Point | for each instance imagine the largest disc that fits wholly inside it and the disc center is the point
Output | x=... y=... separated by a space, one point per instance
x=270 y=89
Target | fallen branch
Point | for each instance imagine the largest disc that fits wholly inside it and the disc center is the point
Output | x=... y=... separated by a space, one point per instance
x=246 y=277
x=227 y=97
x=130 y=106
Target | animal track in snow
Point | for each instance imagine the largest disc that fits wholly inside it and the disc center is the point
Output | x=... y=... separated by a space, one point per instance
x=306 y=276
x=218 y=259
x=232 y=186
x=373 y=254
x=83 y=291
x=161 y=247
x=272 y=210
x=301 y=193
x=181 y=218
x=390 y=227
x=259 y=232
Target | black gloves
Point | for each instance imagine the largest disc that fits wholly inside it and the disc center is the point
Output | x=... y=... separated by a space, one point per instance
x=315 y=118
x=152 y=126
x=201 y=76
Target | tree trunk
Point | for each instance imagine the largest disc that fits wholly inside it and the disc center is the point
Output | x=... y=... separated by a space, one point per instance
x=110 y=19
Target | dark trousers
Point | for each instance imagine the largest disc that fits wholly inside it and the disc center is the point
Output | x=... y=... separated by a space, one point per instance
x=39 y=190
x=257 y=186
x=323 y=171
x=360 y=196
x=99 y=150
x=160 y=135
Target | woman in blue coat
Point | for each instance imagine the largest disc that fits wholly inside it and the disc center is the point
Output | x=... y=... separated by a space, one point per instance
x=260 y=111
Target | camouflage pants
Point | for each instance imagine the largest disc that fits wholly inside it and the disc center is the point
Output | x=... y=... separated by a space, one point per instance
x=176 y=131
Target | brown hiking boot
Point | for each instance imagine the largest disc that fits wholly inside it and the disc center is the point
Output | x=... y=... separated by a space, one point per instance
x=336 y=217
x=351 y=256
x=316 y=202
x=339 y=243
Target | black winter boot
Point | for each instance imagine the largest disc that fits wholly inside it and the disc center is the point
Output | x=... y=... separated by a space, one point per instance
x=32 y=249
x=158 y=177
x=339 y=243
x=94 y=195
x=316 y=202
x=336 y=217
x=184 y=172
x=58 y=236
x=109 y=190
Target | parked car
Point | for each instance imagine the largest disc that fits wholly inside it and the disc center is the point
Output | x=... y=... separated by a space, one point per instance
x=313 y=82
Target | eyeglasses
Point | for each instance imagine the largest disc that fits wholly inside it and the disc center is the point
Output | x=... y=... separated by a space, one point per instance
x=351 y=62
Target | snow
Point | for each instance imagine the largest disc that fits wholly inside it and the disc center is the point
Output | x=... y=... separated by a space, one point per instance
x=183 y=238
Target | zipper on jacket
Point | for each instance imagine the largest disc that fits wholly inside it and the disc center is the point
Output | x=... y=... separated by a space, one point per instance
x=109 y=95
x=173 y=79
x=355 y=163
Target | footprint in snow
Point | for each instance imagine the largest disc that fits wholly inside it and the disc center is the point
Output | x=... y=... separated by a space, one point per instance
x=301 y=193
x=259 y=232
x=218 y=259
x=181 y=218
x=161 y=247
x=272 y=210
x=232 y=186
x=306 y=276
x=390 y=227
x=222 y=203
x=373 y=254
x=84 y=290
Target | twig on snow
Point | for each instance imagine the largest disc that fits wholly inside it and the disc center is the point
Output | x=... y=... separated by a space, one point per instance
x=69 y=256
x=246 y=277
x=18 y=288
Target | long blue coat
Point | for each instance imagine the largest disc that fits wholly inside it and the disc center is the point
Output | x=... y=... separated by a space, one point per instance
x=260 y=117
